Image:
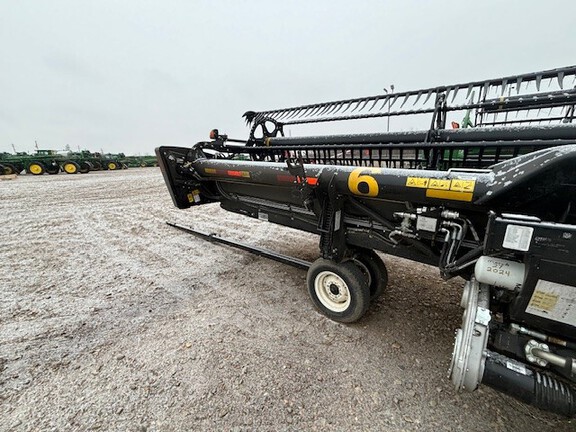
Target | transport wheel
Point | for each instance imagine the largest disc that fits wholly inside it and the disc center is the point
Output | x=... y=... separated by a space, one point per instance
x=340 y=290
x=53 y=169
x=374 y=271
x=36 y=168
x=9 y=169
x=84 y=167
x=96 y=166
x=2 y=169
x=112 y=166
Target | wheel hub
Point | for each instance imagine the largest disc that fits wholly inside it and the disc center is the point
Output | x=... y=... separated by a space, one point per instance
x=332 y=291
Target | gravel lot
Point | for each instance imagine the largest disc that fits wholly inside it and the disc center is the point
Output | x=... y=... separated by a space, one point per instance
x=111 y=320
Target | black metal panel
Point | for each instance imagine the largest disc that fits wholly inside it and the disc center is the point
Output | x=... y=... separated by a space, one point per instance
x=170 y=159
x=549 y=252
x=551 y=271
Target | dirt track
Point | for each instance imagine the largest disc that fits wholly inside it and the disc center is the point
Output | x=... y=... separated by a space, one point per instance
x=111 y=320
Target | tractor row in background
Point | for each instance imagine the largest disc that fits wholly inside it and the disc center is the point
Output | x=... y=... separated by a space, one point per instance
x=53 y=162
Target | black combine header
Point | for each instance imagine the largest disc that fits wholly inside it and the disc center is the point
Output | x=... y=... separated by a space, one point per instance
x=486 y=191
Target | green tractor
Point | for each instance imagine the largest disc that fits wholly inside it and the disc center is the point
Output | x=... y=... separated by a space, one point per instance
x=113 y=162
x=86 y=160
x=51 y=162
x=11 y=164
x=42 y=161
x=140 y=161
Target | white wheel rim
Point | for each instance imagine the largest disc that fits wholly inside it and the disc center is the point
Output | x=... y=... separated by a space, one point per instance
x=332 y=291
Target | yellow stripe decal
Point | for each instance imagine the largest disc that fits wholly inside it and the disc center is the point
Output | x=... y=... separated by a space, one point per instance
x=209 y=170
x=449 y=195
x=454 y=185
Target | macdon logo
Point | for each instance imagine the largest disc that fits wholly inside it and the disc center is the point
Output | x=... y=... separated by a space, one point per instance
x=542 y=239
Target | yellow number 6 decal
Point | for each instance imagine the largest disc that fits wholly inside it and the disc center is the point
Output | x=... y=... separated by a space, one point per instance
x=363 y=184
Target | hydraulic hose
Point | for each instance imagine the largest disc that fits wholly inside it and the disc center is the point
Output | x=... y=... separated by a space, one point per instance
x=530 y=386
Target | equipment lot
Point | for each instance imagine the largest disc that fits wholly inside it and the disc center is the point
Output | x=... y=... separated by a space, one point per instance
x=112 y=320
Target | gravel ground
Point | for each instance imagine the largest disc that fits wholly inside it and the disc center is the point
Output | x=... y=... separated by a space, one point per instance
x=111 y=320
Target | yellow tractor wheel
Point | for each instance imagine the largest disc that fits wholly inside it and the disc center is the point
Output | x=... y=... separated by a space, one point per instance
x=112 y=166
x=71 y=167
x=36 y=168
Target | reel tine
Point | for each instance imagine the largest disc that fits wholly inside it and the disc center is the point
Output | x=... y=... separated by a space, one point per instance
x=455 y=93
x=294 y=114
x=504 y=86
x=356 y=107
x=538 y=79
x=284 y=115
x=326 y=108
x=374 y=104
x=305 y=113
x=315 y=111
x=335 y=108
x=385 y=102
x=428 y=96
x=469 y=91
x=561 y=79
x=365 y=103
x=486 y=88
x=405 y=100
x=347 y=107
x=417 y=98
x=518 y=84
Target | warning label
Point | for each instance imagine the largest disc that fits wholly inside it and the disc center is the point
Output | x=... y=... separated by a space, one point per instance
x=418 y=182
x=463 y=185
x=439 y=184
x=554 y=301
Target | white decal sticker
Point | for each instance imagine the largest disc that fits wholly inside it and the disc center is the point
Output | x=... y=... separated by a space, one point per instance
x=424 y=223
x=517 y=367
x=554 y=301
x=518 y=237
x=263 y=216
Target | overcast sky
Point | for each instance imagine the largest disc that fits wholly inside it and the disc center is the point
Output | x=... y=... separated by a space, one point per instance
x=127 y=76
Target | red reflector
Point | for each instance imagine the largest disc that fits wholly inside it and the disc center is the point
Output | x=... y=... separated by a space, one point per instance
x=312 y=180
x=235 y=173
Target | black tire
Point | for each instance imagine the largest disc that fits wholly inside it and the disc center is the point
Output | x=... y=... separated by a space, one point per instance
x=96 y=166
x=35 y=168
x=53 y=169
x=374 y=271
x=339 y=291
x=9 y=169
x=71 y=167
x=112 y=165
x=2 y=169
x=84 y=167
